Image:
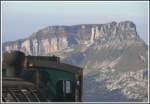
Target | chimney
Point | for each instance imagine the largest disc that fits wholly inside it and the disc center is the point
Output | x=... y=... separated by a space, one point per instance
x=14 y=63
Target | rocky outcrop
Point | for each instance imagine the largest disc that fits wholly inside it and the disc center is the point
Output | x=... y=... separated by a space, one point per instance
x=108 y=85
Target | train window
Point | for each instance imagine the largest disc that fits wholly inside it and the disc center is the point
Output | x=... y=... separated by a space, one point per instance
x=78 y=83
x=67 y=85
x=64 y=86
x=65 y=90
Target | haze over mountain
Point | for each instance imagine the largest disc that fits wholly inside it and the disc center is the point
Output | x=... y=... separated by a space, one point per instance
x=114 y=57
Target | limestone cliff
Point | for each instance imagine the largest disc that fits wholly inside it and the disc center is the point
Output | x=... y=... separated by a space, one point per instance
x=114 y=57
x=56 y=38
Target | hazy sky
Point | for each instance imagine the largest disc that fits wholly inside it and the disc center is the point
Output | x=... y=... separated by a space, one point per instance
x=20 y=19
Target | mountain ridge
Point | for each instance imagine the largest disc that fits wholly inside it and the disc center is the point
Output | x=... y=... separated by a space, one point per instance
x=53 y=31
x=112 y=54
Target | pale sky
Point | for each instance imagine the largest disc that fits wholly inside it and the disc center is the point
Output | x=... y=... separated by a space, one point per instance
x=21 y=19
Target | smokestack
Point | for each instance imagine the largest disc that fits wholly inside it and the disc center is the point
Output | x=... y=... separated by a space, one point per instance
x=14 y=63
x=10 y=72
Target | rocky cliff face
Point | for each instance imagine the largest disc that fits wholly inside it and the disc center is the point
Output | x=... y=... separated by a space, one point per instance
x=114 y=57
x=43 y=42
x=56 y=38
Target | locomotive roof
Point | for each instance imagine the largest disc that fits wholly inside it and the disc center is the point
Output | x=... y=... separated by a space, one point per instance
x=45 y=62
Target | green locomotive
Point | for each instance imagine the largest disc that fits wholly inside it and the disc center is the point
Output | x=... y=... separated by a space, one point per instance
x=39 y=79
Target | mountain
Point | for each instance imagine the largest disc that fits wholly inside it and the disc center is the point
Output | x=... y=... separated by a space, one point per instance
x=114 y=57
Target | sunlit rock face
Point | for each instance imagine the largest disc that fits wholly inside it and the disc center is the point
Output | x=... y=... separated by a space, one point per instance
x=114 y=57
x=57 y=38
x=26 y=46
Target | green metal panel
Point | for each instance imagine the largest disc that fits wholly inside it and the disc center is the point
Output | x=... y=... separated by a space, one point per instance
x=51 y=77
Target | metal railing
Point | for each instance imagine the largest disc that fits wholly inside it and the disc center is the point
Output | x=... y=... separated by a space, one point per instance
x=20 y=94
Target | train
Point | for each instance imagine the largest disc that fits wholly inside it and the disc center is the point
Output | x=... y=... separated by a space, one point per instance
x=27 y=78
